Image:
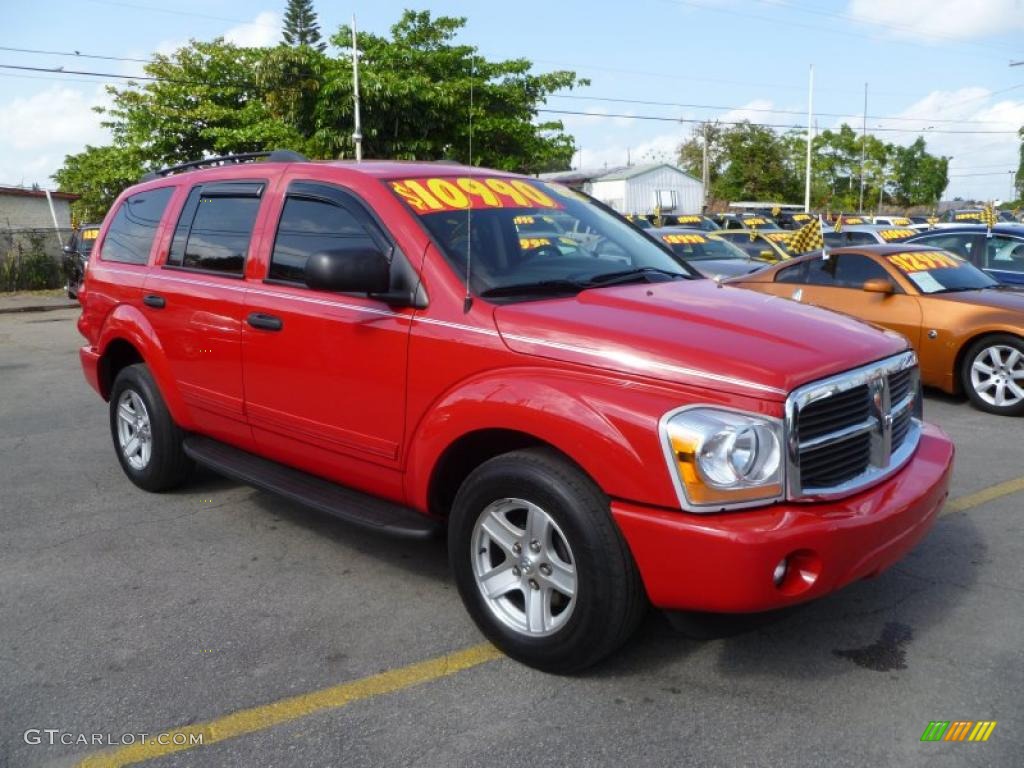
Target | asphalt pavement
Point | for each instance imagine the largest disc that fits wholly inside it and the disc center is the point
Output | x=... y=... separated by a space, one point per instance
x=123 y=612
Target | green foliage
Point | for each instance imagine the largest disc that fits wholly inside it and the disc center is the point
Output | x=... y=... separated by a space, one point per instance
x=301 y=26
x=214 y=98
x=749 y=162
x=27 y=267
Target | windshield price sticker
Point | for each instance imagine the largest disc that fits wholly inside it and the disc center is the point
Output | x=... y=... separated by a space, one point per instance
x=434 y=195
x=778 y=237
x=683 y=239
x=902 y=222
x=968 y=216
x=526 y=243
x=753 y=221
x=896 y=234
x=922 y=261
x=90 y=234
x=688 y=219
x=852 y=220
x=801 y=217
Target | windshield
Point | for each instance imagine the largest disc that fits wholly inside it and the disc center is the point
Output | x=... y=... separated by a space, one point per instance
x=694 y=246
x=87 y=239
x=940 y=272
x=525 y=238
x=758 y=222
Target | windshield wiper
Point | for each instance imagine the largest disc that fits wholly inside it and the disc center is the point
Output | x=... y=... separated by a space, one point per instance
x=537 y=287
x=632 y=275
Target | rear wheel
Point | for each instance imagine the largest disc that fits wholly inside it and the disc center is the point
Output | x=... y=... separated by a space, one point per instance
x=992 y=374
x=146 y=439
x=540 y=564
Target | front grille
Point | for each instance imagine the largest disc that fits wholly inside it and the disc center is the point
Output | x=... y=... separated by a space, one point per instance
x=834 y=413
x=851 y=430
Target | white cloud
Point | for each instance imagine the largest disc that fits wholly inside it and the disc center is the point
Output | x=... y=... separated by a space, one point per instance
x=754 y=111
x=264 y=30
x=37 y=131
x=938 y=20
x=992 y=154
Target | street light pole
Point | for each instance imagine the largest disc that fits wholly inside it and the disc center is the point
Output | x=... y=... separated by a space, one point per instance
x=863 y=149
x=810 y=119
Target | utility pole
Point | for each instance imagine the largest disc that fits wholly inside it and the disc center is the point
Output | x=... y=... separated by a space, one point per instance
x=863 y=149
x=810 y=119
x=881 y=188
x=357 y=134
x=705 y=173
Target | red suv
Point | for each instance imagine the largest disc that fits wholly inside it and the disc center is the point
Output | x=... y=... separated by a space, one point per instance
x=597 y=427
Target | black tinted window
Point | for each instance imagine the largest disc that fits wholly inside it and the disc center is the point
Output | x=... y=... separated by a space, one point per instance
x=792 y=274
x=821 y=271
x=958 y=245
x=852 y=270
x=860 y=238
x=220 y=233
x=834 y=239
x=309 y=226
x=129 y=238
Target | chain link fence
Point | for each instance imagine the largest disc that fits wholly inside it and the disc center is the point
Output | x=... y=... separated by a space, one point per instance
x=32 y=259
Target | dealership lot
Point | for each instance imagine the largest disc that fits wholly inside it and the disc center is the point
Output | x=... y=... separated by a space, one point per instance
x=123 y=612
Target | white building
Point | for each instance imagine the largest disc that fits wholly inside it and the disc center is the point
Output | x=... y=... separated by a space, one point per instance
x=638 y=188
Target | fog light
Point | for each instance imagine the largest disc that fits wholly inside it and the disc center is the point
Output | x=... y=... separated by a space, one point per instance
x=779 y=574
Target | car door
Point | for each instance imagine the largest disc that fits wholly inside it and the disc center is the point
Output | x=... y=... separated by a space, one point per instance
x=837 y=283
x=325 y=372
x=1003 y=258
x=194 y=301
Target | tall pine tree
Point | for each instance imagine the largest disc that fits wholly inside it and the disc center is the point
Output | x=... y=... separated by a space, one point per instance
x=301 y=26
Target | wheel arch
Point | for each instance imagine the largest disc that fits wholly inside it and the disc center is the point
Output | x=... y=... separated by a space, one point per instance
x=970 y=341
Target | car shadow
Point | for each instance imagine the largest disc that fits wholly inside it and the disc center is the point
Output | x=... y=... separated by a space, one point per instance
x=871 y=624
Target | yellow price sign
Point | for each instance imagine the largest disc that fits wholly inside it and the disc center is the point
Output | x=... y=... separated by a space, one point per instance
x=90 y=234
x=433 y=195
x=922 y=261
x=896 y=234
x=526 y=243
x=683 y=239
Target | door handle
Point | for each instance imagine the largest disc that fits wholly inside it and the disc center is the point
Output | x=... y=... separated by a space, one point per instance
x=154 y=301
x=264 y=322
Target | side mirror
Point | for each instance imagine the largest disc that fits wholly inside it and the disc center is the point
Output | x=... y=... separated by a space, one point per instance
x=68 y=249
x=878 y=285
x=349 y=270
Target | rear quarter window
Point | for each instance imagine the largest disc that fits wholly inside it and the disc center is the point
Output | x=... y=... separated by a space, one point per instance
x=130 y=235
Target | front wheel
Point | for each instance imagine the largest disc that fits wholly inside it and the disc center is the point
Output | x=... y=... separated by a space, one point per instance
x=993 y=374
x=540 y=564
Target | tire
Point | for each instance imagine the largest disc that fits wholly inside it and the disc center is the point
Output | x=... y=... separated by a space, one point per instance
x=156 y=461
x=536 y=495
x=992 y=374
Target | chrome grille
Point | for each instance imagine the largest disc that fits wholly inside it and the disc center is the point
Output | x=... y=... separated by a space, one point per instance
x=849 y=431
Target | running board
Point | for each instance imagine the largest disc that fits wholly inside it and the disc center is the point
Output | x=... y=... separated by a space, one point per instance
x=344 y=503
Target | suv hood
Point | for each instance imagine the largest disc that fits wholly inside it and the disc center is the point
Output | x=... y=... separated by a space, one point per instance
x=696 y=332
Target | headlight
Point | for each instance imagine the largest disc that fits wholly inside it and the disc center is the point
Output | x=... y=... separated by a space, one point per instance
x=721 y=459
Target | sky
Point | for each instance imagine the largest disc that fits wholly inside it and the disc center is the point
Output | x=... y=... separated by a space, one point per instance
x=935 y=68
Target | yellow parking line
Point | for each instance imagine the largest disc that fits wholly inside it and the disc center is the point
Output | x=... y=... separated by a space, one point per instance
x=283 y=711
x=993 y=492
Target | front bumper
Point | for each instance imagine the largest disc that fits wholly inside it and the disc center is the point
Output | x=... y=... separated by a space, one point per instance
x=724 y=562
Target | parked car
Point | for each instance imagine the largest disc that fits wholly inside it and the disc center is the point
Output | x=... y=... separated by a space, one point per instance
x=689 y=221
x=897 y=221
x=968 y=329
x=596 y=431
x=767 y=246
x=76 y=256
x=745 y=221
x=788 y=220
x=711 y=256
x=1001 y=254
x=865 y=234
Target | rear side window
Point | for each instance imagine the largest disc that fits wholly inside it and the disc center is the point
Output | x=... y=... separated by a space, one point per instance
x=215 y=227
x=853 y=270
x=791 y=274
x=129 y=237
x=308 y=226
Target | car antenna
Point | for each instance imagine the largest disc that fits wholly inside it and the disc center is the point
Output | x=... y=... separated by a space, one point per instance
x=467 y=302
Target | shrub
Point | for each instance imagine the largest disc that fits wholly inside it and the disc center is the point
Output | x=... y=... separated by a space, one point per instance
x=27 y=266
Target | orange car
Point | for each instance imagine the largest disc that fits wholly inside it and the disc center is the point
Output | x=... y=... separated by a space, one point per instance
x=967 y=329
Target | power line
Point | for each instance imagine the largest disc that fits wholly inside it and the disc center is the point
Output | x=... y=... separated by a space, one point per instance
x=75 y=54
x=990 y=173
x=661 y=118
x=773 y=111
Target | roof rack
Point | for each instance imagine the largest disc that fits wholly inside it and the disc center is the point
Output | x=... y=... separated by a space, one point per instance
x=277 y=156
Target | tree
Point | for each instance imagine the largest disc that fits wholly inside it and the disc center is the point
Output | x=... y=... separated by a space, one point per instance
x=920 y=178
x=691 y=152
x=214 y=98
x=301 y=27
x=416 y=93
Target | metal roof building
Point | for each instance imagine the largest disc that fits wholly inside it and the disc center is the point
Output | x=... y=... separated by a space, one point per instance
x=638 y=188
